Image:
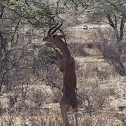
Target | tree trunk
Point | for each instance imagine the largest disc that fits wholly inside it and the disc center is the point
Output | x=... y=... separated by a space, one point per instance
x=121 y=28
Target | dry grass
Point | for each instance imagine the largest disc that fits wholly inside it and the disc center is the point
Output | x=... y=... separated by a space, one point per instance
x=101 y=90
x=36 y=107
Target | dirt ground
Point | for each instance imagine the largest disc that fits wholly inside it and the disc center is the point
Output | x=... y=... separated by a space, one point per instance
x=101 y=91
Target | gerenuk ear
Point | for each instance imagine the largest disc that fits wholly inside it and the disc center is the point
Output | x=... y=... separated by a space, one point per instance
x=60 y=36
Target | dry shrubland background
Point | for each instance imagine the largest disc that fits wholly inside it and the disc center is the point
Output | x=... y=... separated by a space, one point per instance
x=30 y=80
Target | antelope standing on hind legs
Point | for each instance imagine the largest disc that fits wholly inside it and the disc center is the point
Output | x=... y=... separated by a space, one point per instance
x=67 y=67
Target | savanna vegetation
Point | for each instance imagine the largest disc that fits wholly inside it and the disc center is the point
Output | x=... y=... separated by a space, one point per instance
x=30 y=81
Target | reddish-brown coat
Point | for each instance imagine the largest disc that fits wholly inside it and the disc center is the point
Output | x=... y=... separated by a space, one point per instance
x=67 y=67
